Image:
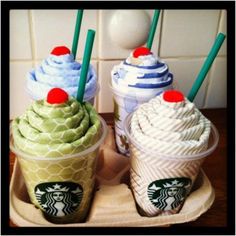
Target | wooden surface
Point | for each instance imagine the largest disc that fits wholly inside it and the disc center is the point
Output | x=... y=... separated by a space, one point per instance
x=214 y=167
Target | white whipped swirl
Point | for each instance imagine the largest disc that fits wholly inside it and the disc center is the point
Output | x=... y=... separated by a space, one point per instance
x=170 y=128
x=62 y=72
x=147 y=60
x=146 y=74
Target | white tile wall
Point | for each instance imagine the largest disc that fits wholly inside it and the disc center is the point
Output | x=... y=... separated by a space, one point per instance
x=19 y=100
x=183 y=39
x=20 y=45
x=216 y=96
x=56 y=27
x=185 y=72
x=188 y=32
x=105 y=101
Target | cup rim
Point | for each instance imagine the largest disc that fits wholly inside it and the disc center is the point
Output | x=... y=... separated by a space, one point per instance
x=143 y=98
x=22 y=154
x=95 y=94
x=136 y=95
x=86 y=99
x=196 y=156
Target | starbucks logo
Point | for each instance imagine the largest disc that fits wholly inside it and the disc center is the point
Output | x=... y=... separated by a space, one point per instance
x=59 y=198
x=168 y=194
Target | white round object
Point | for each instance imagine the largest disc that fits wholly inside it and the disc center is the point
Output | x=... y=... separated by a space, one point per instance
x=129 y=28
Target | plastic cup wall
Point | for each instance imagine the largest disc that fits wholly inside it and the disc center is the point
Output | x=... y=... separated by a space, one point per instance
x=148 y=166
x=78 y=168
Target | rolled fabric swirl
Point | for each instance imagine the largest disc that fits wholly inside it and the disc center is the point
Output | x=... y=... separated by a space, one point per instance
x=171 y=128
x=141 y=73
x=54 y=130
x=59 y=71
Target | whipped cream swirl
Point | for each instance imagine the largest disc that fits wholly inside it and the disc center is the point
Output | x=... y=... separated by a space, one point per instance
x=170 y=128
x=147 y=72
x=54 y=130
x=60 y=71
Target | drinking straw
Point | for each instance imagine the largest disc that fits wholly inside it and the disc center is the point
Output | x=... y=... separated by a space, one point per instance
x=77 y=31
x=206 y=66
x=153 y=29
x=85 y=64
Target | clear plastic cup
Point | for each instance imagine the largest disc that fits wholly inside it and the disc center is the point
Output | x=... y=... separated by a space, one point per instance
x=61 y=187
x=124 y=104
x=89 y=99
x=161 y=183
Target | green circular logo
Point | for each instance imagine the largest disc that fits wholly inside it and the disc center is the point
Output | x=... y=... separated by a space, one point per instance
x=59 y=198
x=168 y=194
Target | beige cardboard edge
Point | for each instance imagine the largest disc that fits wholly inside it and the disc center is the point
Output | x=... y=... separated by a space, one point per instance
x=109 y=208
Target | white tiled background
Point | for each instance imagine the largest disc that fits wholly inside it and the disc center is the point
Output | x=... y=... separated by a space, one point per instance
x=183 y=39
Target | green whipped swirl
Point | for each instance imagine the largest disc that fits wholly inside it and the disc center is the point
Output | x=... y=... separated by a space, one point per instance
x=55 y=130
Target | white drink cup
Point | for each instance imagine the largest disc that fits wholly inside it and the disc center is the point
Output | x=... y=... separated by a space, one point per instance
x=161 y=183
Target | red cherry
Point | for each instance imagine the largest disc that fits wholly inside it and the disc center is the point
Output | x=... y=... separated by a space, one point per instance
x=142 y=51
x=60 y=50
x=57 y=96
x=173 y=96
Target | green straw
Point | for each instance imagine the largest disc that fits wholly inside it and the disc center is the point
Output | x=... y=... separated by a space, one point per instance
x=153 y=29
x=76 y=33
x=206 y=66
x=85 y=64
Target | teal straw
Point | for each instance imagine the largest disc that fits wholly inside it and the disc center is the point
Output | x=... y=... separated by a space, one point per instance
x=85 y=64
x=206 y=66
x=76 y=32
x=153 y=29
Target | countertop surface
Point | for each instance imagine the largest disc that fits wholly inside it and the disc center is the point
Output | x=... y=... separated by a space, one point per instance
x=215 y=167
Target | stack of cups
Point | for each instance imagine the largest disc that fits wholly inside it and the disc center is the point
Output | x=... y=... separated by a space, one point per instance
x=136 y=80
x=57 y=140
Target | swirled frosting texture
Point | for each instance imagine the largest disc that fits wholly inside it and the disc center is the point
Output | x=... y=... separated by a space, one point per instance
x=146 y=73
x=59 y=71
x=54 y=130
x=170 y=128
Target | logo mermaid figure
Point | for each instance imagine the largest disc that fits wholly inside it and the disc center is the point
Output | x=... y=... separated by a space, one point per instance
x=168 y=194
x=59 y=198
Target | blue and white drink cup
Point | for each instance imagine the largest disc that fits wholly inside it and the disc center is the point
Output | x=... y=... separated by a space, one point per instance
x=136 y=80
x=60 y=70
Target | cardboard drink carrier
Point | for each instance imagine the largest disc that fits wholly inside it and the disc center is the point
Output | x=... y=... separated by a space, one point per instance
x=113 y=203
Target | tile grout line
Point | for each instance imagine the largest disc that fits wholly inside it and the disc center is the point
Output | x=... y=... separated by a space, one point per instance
x=209 y=81
x=120 y=59
x=32 y=42
x=164 y=58
x=160 y=36
x=22 y=60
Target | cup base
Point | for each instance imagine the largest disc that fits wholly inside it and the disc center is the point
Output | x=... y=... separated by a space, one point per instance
x=21 y=210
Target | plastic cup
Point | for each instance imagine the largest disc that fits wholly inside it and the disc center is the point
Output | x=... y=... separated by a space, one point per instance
x=89 y=99
x=161 y=183
x=61 y=187
x=126 y=103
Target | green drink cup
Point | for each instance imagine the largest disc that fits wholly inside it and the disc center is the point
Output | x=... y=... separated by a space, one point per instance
x=62 y=187
x=56 y=142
